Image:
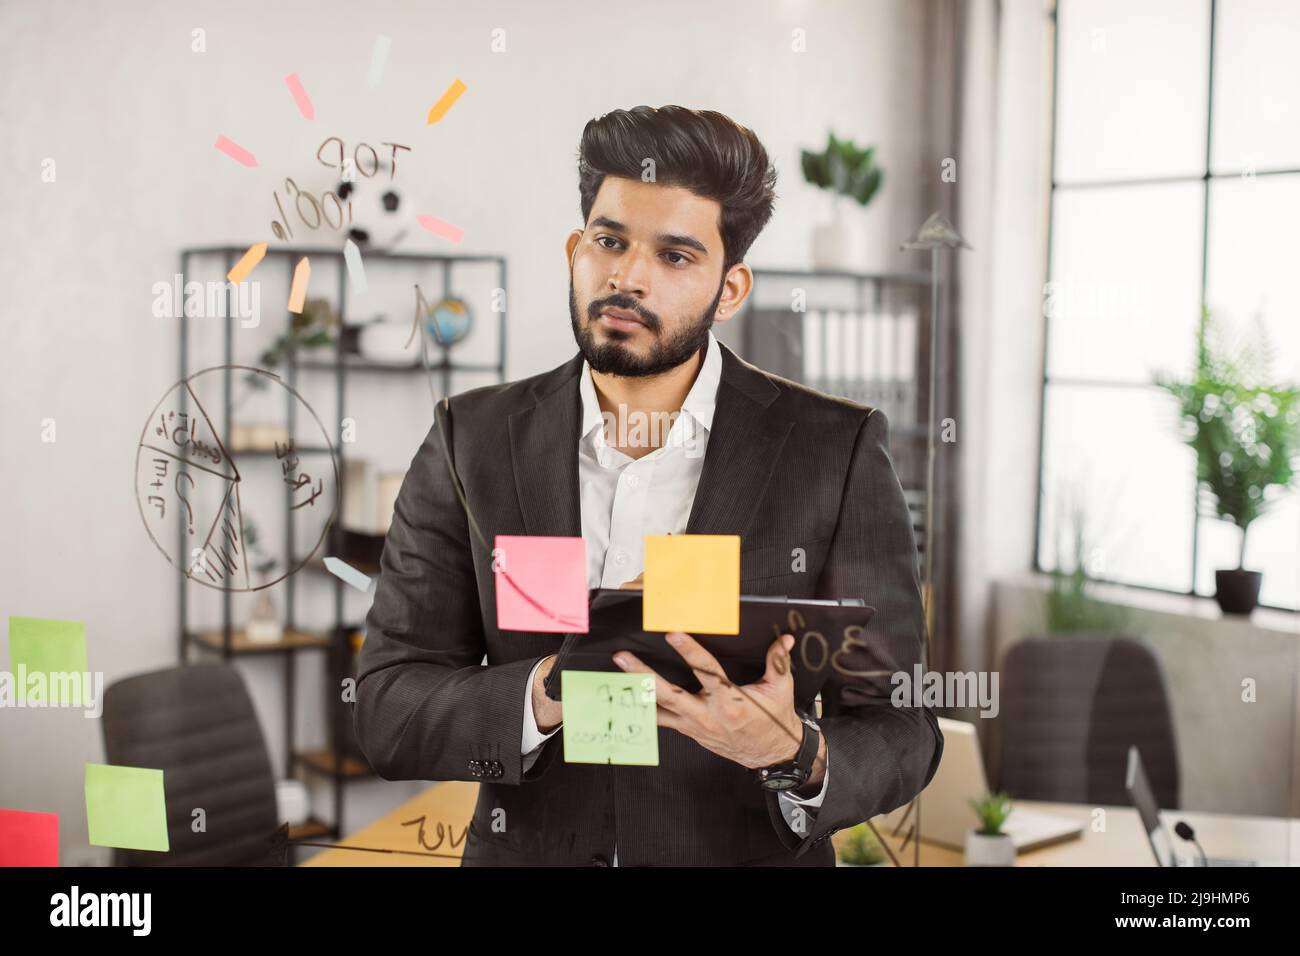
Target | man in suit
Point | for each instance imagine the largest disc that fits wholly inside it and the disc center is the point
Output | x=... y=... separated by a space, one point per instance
x=804 y=479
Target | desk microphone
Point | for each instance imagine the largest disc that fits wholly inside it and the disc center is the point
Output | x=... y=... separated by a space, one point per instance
x=1187 y=833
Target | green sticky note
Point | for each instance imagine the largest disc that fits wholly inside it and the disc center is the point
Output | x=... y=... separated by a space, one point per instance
x=51 y=649
x=609 y=718
x=126 y=807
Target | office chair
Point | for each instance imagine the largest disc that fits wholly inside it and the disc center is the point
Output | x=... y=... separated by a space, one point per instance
x=1071 y=707
x=197 y=725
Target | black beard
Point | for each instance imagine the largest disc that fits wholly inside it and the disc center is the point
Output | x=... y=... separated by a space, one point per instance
x=611 y=358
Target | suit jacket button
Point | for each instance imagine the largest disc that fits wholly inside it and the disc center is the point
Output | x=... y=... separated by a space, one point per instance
x=599 y=860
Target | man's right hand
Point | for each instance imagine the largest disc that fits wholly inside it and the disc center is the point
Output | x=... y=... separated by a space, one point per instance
x=548 y=713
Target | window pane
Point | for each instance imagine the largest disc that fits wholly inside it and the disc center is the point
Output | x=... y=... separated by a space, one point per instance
x=1252 y=261
x=1116 y=453
x=1124 y=295
x=1256 y=85
x=1131 y=88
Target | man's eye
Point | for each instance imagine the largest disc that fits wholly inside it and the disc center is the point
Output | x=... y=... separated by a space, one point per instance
x=602 y=239
x=680 y=258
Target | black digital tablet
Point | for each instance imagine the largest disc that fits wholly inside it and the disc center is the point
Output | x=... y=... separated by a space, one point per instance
x=820 y=629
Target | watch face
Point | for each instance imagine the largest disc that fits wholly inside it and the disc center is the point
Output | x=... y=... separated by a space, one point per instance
x=780 y=783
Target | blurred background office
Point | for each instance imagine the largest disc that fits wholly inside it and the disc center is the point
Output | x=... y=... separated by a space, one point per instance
x=1111 y=349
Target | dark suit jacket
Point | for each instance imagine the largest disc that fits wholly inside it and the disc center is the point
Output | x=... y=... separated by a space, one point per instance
x=786 y=467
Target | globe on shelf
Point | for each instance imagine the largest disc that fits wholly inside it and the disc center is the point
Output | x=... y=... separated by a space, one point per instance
x=448 y=321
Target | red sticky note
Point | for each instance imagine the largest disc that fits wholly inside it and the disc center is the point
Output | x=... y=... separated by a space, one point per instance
x=541 y=583
x=29 y=839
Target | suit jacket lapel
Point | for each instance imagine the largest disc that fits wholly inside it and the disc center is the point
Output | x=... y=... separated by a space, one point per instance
x=544 y=454
x=744 y=446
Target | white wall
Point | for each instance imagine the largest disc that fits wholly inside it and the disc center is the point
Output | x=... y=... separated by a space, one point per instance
x=115 y=95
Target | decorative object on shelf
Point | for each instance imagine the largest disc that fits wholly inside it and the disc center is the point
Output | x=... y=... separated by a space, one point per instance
x=988 y=845
x=390 y=483
x=380 y=221
x=449 y=321
x=383 y=340
x=293 y=802
x=851 y=175
x=254 y=437
x=264 y=624
x=859 y=847
x=1243 y=427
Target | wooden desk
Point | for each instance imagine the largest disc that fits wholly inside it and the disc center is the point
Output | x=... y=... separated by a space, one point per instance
x=1273 y=841
x=451 y=803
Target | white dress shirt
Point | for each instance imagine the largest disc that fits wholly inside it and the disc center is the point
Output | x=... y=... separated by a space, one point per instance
x=624 y=499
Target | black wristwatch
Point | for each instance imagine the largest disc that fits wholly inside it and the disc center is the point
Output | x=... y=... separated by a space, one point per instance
x=795 y=773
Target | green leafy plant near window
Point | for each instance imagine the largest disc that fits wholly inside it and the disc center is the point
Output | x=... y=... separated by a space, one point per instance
x=992 y=809
x=1071 y=608
x=845 y=169
x=859 y=847
x=1241 y=424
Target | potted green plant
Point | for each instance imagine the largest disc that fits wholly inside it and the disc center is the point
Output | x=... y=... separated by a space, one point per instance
x=988 y=845
x=1243 y=428
x=1071 y=607
x=852 y=177
x=859 y=847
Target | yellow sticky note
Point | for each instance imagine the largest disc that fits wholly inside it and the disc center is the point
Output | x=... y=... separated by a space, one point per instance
x=692 y=583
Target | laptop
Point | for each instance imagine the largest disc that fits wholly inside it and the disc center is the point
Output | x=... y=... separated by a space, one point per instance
x=1139 y=791
x=946 y=817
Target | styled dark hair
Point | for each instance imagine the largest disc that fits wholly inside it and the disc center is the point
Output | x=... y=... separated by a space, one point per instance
x=700 y=150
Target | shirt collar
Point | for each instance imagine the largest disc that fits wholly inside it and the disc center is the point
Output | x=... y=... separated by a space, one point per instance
x=700 y=401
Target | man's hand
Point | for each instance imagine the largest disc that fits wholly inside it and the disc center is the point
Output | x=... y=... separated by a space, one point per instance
x=755 y=724
x=548 y=713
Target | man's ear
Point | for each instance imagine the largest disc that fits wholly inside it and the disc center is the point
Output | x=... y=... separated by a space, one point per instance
x=571 y=247
x=737 y=286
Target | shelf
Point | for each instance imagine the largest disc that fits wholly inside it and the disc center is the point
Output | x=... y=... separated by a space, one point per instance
x=368 y=568
x=326 y=762
x=357 y=365
x=293 y=640
x=272 y=453
x=309 y=829
x=366 y=365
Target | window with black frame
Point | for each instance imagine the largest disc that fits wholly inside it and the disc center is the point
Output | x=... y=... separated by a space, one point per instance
x=1175 y=193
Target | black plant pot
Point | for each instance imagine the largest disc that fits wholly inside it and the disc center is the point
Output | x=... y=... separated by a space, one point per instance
x=1237 y=591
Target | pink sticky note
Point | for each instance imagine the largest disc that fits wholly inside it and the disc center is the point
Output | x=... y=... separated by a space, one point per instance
x=29 y=839
x=300 y=96
x=235 y=151
x=541 y=584
x=440 y=228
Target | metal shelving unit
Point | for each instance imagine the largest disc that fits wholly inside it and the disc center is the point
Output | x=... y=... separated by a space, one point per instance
x=335 y=762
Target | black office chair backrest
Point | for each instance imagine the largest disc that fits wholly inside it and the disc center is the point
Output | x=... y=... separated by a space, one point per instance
x=1071 y=707
x=197 y=725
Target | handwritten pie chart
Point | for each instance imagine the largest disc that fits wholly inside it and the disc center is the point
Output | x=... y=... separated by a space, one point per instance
x=198 y=496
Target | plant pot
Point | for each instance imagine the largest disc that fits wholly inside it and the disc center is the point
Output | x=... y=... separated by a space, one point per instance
x=983 y=849
x=841 y=244
x=1237 y=591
